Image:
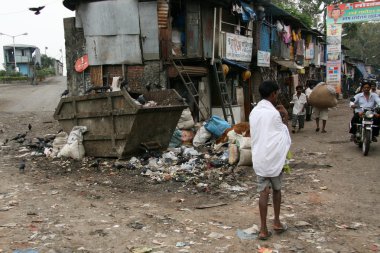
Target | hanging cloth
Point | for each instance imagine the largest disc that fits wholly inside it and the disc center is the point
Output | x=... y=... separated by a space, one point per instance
x=287 y=35
x=248 y=13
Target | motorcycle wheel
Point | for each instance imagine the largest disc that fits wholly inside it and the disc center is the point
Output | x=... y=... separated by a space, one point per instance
x=366 y=142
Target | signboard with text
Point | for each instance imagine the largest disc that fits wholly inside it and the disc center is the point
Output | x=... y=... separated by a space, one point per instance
x=238 y=47
x=263 y=58
x=333 y=72
x=353 y=12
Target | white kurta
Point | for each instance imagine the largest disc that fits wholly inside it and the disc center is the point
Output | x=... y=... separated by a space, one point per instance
x=270 y=140
x=298 y=104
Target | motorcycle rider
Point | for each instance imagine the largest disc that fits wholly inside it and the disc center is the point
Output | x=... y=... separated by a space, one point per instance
x=365 y=99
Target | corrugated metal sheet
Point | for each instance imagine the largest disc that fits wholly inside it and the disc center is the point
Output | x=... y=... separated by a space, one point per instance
x=109 y=17
x=207 y=29
x=120 y=49
x=163 y=12
x=149 y=30
x=193 y=42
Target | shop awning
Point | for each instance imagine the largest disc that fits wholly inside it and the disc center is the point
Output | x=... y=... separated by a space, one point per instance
x=233 y=63
x=361 y=68
x=288 y=64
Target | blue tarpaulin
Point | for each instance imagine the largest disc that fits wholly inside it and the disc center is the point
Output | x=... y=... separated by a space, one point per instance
x=248 y=13
x=233 y=63
x=265 y=38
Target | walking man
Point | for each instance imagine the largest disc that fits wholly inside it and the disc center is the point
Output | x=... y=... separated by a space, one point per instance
x=321 y=114
x=299 y=103
x=270 y=144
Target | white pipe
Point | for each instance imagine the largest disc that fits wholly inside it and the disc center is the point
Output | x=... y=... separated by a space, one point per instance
x=213 y=38
x=220 y=44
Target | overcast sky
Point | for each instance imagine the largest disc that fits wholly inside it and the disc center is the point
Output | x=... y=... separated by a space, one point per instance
x=44 y=30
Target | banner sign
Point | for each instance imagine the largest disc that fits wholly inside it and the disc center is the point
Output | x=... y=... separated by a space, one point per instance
x=263 y=58
x=334 y=48
x=238 y=47
x=333 y=72
x=334 y=29
x=353 y=12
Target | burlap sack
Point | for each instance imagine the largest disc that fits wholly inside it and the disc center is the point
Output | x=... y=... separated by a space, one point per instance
x=323 y=96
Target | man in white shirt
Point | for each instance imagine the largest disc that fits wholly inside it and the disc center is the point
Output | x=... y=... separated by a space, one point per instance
x=365 y=99
x=270 y=144
x=299 y=103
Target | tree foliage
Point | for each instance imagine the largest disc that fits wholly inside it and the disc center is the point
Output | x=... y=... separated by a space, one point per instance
x=307 y=11
x=46 y=61
x=363 y=41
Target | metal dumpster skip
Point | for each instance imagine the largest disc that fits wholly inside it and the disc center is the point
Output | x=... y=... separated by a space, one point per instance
x=117 y=126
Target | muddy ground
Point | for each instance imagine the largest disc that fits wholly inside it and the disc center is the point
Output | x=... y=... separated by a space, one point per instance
x=330 y=199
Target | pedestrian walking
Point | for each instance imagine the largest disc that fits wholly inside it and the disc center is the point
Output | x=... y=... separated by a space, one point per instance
x=321 y=114
x=270 y=141
x=298 y=114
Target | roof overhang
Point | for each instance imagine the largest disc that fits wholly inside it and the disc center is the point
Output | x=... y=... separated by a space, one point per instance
x=288 y=64
x=71 y=4
x=281 y=14
x=19 y=46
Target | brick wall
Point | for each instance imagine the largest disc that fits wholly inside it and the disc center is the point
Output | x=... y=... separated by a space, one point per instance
x=139 y=76
x=135 y=75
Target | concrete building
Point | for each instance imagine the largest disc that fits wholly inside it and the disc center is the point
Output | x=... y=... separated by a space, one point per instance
x=26 y=57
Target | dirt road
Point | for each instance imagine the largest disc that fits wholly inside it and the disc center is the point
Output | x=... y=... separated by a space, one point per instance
x=32 y=98
x=330 y=199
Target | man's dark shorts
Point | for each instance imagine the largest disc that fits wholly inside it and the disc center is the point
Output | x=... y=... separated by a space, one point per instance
x=272 y=182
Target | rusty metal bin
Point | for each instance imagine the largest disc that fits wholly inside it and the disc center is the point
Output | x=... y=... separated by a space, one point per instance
x=117 y=126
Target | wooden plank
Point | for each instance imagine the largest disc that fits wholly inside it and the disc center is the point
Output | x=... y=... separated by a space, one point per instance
x=96 y=76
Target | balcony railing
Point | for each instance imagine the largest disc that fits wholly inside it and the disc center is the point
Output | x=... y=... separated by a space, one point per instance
x=19 y=59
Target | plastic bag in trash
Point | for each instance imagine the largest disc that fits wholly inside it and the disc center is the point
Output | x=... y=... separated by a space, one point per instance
x=176 y=140
x=217 y=125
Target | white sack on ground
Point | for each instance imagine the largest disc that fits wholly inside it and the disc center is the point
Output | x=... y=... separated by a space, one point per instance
x=233 y=154
x=186 y=120
x=245 y=158
x=74 y=147
x=58 y=143
x=245 y=143
x=201 y=137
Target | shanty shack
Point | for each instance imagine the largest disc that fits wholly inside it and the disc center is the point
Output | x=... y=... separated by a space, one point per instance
x=162 y=44
x=206 y=50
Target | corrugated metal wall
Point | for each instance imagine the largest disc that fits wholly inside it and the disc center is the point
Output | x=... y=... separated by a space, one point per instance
x=193 y=29
x=109 y=17
x=112 y=31
x=120 y=49
x=149 y=30
x=207 y=29
x=163 y=12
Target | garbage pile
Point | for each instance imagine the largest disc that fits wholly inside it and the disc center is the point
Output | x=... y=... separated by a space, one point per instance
x=204 y=155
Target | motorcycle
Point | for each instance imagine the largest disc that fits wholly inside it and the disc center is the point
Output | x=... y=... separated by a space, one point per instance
x=363 y=135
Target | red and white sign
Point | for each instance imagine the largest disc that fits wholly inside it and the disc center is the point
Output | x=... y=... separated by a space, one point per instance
x=81 y=64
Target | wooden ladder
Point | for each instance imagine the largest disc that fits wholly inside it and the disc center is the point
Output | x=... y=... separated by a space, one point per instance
x=192 y=90
x=223 y=91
